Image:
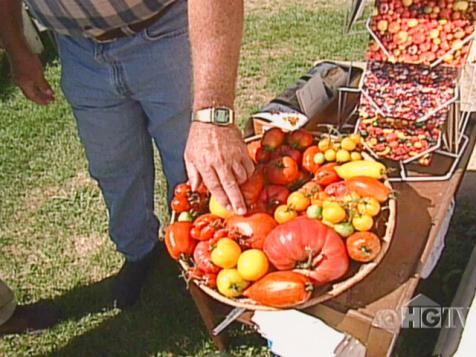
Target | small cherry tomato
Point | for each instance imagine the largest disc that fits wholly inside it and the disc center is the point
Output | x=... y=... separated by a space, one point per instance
x=369 y=206
x=333 y=213
x=284 y=214
x=180 y=204
x=298 y=201
x=363 y=222
x=182 y=190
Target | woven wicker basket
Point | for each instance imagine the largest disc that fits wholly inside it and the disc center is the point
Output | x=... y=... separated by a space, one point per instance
x=384 y=228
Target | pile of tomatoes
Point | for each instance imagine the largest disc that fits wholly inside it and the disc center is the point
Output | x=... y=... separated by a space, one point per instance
x=312 y=205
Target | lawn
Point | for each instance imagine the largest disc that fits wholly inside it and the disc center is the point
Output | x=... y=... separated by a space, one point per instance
x=53 y=232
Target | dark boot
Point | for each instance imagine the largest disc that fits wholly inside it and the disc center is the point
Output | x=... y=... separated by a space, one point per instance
x=30 y=318
x=129 y=281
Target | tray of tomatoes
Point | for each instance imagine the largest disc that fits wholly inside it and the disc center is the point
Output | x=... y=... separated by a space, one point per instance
x=321 y=216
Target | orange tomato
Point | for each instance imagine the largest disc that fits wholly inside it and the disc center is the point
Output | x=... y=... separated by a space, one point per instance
x=298 y=201
x=284 y=214
x=363 y=246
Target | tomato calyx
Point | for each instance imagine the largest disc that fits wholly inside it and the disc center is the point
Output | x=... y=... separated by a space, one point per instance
x=309 y=263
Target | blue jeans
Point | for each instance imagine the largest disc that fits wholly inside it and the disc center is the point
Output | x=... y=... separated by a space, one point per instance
x=124 y=95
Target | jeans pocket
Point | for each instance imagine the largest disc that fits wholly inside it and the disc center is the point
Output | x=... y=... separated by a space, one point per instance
x=173 y=23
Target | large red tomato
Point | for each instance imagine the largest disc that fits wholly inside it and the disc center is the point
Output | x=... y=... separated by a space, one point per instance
x=178 y=240
x=310 y=248
x=281 y=289
x=202 y=257
x=271 y=197
x=300 y=139
x=272 y=138
x=282 y=171
x=252 y=188
x=286 y=150
x=252 y=230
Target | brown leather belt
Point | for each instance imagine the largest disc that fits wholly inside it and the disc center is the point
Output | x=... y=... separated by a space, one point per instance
x=128 y=30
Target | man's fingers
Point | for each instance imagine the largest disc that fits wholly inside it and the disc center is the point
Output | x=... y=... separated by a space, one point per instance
x=45 y=88
x=30 y=92
x=248 y=165
x=193 y=175
x=240 y=172
x=232 y=190
x=211 y=181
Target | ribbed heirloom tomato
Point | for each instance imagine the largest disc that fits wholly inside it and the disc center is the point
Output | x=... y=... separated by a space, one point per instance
x=202 y=257
x=309 y=247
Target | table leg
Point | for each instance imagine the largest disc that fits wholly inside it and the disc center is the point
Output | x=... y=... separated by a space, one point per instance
x=205 y=306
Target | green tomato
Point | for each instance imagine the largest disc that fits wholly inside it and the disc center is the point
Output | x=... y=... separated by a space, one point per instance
x=314 y=212
x=345 y=229
x=319 y=158
x=185 y=217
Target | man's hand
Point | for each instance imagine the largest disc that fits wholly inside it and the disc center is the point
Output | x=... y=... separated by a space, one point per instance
x=28 y=74
x=218 y=157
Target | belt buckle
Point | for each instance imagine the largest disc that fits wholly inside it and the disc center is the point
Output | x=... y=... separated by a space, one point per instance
x=95 y=39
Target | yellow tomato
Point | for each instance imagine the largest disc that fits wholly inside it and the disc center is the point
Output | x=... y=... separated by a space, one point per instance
x=351 y=197
x=325 y=144
x=330 y=155
x=284 y=214
x=333 y=213
x=298 y=201
x=217 y=209
x=342 y=156
x=355 y=156
x=230 y=283
x=369 y=206
x=363 y=222
x=356 y=138
x=253 y=264
x=348 y=144
x=226 y=253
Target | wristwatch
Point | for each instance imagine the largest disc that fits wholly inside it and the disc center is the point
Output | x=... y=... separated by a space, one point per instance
x=217 y=116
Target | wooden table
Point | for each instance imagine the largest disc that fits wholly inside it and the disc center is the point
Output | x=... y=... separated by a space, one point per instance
x=363 y=311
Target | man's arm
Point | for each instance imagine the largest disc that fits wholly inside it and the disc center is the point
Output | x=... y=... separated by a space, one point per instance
x=26 y=66
x=217 y=155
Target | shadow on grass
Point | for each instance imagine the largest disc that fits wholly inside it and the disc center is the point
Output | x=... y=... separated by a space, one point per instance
x=165 y=320
x=7 y=87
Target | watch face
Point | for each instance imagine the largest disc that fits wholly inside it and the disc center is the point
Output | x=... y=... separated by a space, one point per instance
x=222 y=116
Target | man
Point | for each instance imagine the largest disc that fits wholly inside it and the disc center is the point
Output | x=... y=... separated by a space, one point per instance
x=126 y=73
x=17 y=319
